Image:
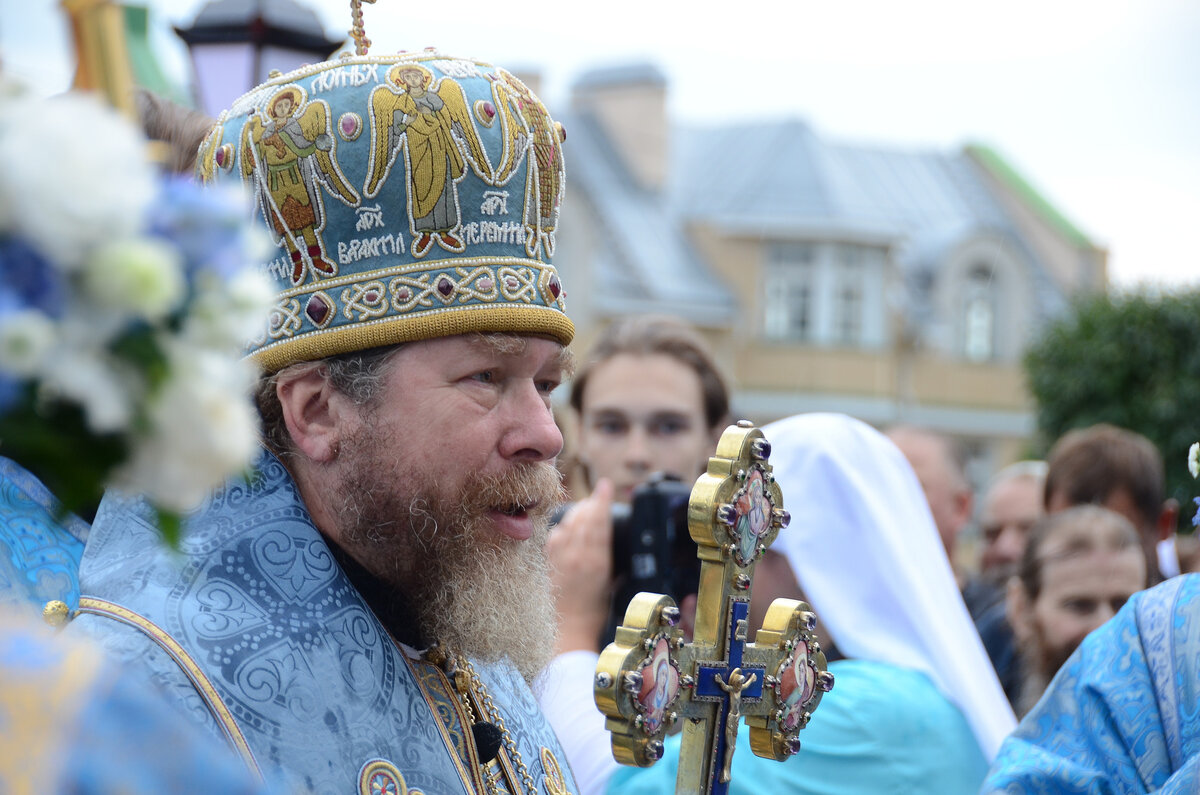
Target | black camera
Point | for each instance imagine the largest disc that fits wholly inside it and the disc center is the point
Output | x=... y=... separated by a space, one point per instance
x=651 y=547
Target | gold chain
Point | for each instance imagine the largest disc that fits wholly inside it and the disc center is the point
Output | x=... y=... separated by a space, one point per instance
x=466 y=681
x=496 y=718
x=357 y=31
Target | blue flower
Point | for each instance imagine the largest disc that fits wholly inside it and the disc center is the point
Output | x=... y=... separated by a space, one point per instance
x=1196 y=518
x=207 y=225
x=28 y=281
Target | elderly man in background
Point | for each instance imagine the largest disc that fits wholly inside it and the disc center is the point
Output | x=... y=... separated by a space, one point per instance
x=1011 y=506
x=940 y=464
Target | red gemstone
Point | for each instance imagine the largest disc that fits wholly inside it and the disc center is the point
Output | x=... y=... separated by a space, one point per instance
x=403 y=294
x=221 y=157
x=317 y=310
x=445 y=286
x=555 y=287
x=371 y=296
x=489 y=110
x=349 y=125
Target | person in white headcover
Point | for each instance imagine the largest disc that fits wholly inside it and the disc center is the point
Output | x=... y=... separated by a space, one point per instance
x=916 y=706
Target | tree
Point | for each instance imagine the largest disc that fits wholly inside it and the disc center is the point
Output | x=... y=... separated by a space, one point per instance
x=1131 y=360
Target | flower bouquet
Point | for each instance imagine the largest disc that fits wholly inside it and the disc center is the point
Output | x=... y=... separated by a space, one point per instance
x=125 y=299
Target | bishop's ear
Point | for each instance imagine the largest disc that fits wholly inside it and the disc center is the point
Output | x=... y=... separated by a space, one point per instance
x=317 y=415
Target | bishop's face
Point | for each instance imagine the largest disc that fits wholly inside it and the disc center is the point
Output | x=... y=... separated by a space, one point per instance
x=460 y=410
x=446 y=487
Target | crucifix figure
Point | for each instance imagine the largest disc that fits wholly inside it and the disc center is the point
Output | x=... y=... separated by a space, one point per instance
x=649 y=680
x=734 y=687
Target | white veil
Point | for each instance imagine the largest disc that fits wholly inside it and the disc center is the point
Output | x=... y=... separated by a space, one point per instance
x=864 y=548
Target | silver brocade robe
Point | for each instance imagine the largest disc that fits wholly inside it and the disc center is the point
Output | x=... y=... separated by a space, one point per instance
x=261 y=636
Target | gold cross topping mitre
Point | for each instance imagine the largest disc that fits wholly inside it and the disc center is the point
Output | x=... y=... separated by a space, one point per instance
x=649 y=679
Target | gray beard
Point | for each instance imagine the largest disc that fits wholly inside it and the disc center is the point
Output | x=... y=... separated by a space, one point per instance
x=473 y=591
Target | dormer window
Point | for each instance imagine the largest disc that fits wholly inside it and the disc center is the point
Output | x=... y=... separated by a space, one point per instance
x=789 y=311
x=979 y=314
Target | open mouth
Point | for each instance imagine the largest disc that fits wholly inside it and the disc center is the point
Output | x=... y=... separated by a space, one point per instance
x=519 y=511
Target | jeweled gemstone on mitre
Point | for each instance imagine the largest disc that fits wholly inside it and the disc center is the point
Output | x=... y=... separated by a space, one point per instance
x=317 y=309
x=555 y=286
x=445 y=286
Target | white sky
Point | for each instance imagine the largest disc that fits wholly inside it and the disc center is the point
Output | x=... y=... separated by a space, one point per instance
x=1095 y=102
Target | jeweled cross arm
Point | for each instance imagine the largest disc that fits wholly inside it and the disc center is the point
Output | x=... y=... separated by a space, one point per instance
x=649 y=679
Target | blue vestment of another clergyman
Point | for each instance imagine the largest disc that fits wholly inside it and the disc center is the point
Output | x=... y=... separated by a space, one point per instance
x=1123 y=713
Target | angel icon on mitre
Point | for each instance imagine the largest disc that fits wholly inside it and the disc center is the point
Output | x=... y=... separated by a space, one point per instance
x=290 y=142
x=425 y=118
x=529 y=129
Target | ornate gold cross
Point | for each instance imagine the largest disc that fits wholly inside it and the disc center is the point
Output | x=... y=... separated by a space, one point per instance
x=648 y=678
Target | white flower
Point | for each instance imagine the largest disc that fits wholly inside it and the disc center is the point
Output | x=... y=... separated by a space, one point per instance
x=1194 y=459
x=26 y=336
x=224 y=315
x=139 y=276
x=203 y=429
x=75 y=174
x=102 y=386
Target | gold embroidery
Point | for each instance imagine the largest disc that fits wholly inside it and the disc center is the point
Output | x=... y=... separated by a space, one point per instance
x=380 y=777
x=553 y=780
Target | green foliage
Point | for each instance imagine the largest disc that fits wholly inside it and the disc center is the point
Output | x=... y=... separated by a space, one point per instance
x=1133 y=361
x=52 y=440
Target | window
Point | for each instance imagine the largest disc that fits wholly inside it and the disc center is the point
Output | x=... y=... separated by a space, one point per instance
x=848 y=296
x=979 y=314
x=790 y=300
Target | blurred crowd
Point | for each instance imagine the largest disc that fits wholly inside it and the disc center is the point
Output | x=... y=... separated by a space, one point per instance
x=1063 y=545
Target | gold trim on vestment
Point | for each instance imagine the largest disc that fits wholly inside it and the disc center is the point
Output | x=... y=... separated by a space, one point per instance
x=472 y=778
x=102 y=607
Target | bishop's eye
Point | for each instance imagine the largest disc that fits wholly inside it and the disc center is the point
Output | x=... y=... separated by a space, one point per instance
x=485 y=377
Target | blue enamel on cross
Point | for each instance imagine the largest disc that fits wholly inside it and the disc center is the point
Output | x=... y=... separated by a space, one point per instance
x=649 y=679
x=730 y=684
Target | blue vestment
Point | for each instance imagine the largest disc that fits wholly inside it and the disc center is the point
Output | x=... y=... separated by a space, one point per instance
x=73 y=721
x=881 y=729
x=1123 y=713
x=40 y=545
x=256 y=631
